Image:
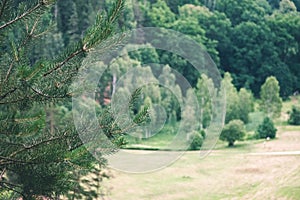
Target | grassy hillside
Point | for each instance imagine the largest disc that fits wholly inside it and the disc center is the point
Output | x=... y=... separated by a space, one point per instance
x=246 y=171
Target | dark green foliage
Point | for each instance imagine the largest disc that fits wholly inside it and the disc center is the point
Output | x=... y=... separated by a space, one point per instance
x=250 y=39
x=243 y=10
x=195 y=140
x=175 y=4
x=145 y=54
x=294 y=116
x=233 y=131
x=41 y=152
x=297 y=4
x=203 y=134
x=274 y=3
x=266 y=129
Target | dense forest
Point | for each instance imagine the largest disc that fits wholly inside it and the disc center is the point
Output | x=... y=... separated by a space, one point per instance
x=250 y=39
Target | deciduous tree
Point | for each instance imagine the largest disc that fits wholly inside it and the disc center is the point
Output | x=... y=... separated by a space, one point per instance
x=271 y=102
x=232 y=132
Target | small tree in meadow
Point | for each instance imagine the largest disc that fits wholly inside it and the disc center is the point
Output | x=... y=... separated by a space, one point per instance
x=271 y=102
x=195 y=140
x=266 y=129
x=295 y=116
x=233 y=131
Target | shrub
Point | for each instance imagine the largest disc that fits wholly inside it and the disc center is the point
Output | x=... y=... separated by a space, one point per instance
x=203 y=134
x=195 y=139
x=233 y=131
x=295 y=116
x=266 y=129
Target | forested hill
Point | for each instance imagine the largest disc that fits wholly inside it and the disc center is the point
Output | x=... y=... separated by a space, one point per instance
x=251 y=39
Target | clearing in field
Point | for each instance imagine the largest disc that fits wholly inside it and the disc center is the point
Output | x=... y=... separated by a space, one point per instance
x=249 y=171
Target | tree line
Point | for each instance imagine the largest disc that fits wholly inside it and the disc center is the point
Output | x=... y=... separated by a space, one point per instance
x=250 y=39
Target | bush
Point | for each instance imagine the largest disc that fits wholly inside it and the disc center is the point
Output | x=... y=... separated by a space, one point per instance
x=203 y=134
x=195 y=139
x=266 y=129
x=295 y=116
x=233 y=131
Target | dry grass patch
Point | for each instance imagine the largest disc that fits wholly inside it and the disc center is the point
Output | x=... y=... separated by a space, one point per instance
x=224 y=174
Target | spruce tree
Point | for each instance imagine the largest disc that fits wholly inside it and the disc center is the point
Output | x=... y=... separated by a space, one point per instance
x=42 y=156
x=266 y=129
x=294 y=118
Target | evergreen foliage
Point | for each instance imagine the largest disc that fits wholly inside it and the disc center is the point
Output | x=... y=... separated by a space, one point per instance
x=195 y=140
x=266 y=129
x=294 y=116
x=41 y=153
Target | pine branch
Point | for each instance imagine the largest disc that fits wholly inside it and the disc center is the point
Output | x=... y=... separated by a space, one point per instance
x=6 y=160
x=9 y=71
x=134 y=97
x=23 y=15
x=36 y=145
x=39 y=93
x=34 y=97
x=8 y=93
x=11 y=187
x=94 y=35
x=2 y=174
x=30 y=35
x=3 y=5
x=11 y=184
x=115 y=12
x=61 y=64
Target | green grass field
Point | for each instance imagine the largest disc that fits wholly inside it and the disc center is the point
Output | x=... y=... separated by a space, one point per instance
x=242 y=172
x=235 y=173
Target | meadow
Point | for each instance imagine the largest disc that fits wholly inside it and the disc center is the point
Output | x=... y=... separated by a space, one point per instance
x=250 y=170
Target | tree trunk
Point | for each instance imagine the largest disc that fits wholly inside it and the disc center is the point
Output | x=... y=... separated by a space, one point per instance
x=230 y=143
x=114 y=82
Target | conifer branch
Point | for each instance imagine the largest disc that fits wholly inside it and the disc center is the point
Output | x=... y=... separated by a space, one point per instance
x=23 y=15
x=9 y=71
x=44 y=95
x=61 y=64
x=93 y=37
x=11 y=184
x=116 y=11
x=11 y=187
x=2 y=174
x=35 y=145
x=25 y=41
x=6 y=160
x=3 y=5
x=9 y=92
